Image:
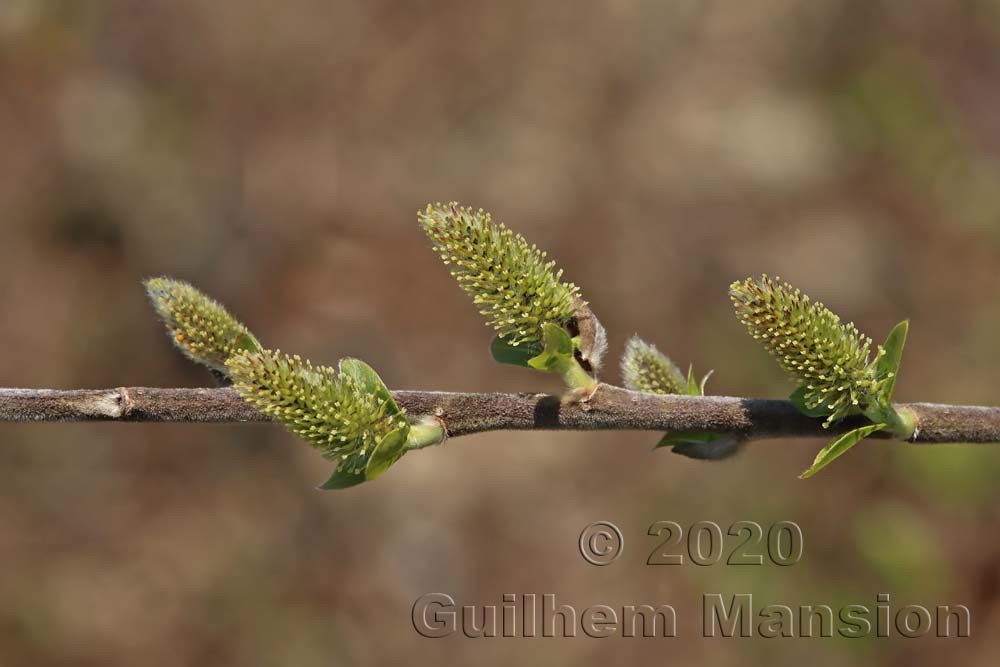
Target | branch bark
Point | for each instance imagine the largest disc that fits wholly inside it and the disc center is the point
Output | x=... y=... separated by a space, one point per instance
x=610 y=408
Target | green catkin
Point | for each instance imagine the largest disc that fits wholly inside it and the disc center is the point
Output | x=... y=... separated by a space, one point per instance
x=509 y=280
x=830 y=359
x=645 y=368
x=325 y=407
x=198 y=325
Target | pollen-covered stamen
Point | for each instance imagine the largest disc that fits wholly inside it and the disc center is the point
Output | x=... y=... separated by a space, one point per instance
x=829 y=358
x=516 y=289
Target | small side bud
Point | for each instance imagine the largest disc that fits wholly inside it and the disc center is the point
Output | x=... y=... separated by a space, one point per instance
x=198 y=325
x=645 y=368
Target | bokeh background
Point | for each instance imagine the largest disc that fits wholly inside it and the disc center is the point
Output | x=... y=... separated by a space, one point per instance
x=275 y=154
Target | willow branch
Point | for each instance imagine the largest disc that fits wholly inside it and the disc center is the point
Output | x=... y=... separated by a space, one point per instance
x=610 y=408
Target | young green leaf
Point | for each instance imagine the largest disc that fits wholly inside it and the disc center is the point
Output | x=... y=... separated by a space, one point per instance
x=390 y=449
x=505 y=353
x=887 y=366
x=369 y=381
x=715 y=448
x=693 y=387
x=558 y=355
x=701 y=445
x=672 y=438
x=342 y=478
x=838 y=447
x=557 y=349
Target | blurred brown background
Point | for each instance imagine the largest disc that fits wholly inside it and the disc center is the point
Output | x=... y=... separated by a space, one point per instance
x=275 y=154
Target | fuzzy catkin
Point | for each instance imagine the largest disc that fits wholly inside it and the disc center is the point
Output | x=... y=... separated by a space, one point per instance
x=830 y=359
x=198 y=325
x=645 y=368
x=325 y=407
x=509 y=280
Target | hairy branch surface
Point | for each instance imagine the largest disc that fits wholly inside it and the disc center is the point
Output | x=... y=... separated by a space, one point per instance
x=609 y=408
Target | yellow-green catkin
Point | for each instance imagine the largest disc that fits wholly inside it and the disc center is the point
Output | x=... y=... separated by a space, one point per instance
x=645 y=368
x=198 y=325
x=830 y=359
x=509 y=280
x=325 y=407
